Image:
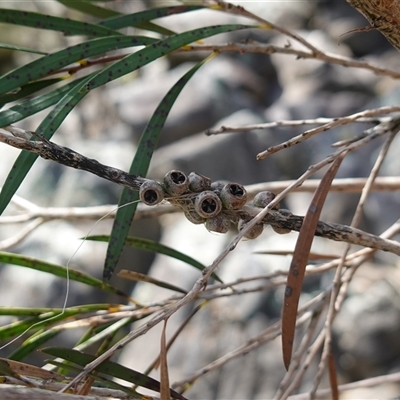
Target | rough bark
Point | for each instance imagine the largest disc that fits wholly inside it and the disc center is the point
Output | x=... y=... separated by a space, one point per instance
x=383 y=15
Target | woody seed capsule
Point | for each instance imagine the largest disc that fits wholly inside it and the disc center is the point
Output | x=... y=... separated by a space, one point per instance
x=262 y=199
x=198 y=182
x=207 y=204
x=220 y=224
x=233 y=196
x=194 y=218
x=151 y=193
x=176 y=182
x=254 y=232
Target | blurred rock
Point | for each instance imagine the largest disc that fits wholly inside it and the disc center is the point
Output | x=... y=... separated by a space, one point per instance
x=368 y=327
x=221 y=87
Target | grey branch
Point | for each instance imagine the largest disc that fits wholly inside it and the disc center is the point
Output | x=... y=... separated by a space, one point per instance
x=63 y=155
x=280 y=220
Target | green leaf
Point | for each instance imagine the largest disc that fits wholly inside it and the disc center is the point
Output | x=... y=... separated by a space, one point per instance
x=139 y=166
x=42 y=21
x=53 y=62
x=157 y=50
x=104 y=381
x=137 y=19
x=150 y=245
x=103 y=332
x=58 y=270
x=34 y=312
x=47 y=128
x=25 y=91
x=32 y=344
x=109 y=368
x=103 y=13
x=90 y=9
x=46 y=319
x=30 y=107
x=20 y=48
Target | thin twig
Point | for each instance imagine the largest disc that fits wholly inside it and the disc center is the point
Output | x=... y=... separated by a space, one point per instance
x=238 y=10
x=329 y=58
x=21 y=234
x=365 y=383
x=287 y=123
x=64 y=155
x=337 y=122
x=344 y=185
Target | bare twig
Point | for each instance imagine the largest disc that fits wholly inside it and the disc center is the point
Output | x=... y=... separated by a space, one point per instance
x=365 y=383
x=254 y=47
x=95 y=392
x=66 y=156
x=21 y=234
x=288 y=123
x=344 y=185
x=337 y=122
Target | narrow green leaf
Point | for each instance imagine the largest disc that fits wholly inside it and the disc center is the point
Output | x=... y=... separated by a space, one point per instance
x=47 y=128
x=55 y=61
x=139 y=166
x=103 y=332
x=43 y=21
x=137 y=19
x=7 y=46
x=90 y=9
x=108 y=383
x=150 y=245
x=43 y=320
x=109 y=368
x=58 y=270
x=33 y=312
x=32 y=344
x=156 y=50
x=30 y=107
x=25 y=91
x=103 y=13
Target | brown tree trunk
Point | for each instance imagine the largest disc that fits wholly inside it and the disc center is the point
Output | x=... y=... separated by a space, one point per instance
x=383 y=15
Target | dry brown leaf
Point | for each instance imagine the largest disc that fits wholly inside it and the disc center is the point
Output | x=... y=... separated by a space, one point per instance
x=164 y=377
x=301 y=253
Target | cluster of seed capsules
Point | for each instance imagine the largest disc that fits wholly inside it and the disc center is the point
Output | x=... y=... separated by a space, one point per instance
x=214 y=204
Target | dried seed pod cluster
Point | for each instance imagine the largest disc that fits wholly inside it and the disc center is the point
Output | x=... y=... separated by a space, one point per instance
x=214 y=204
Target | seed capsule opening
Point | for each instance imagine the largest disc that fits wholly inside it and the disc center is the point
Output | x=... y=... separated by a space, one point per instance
x=178 y=177
x=151 y=193
x=233 y=196
x=176 y=182
x=207 y=204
